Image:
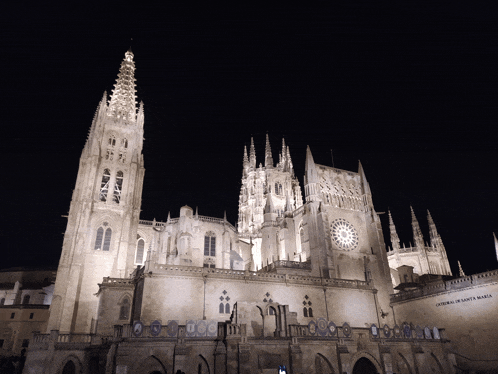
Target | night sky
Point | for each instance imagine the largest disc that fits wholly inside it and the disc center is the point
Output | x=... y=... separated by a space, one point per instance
x=410 y=90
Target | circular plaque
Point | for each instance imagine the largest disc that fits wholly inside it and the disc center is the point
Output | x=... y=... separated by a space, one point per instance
x=387 y=331
x=374 y=330
x=407 y=331
x=138 y=328
x=419 y=332
x=435 y=332
x=312 y=327
x=212 y=328
x=397 y=331
x=155 y=328
x=427 y=333
x=172 y=328
x=332 y=329
x=344 y=234
x=201 y=328
x=322 y=326
x=346 y=330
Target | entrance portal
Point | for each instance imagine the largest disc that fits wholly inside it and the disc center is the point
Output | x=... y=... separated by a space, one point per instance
x=364 y=366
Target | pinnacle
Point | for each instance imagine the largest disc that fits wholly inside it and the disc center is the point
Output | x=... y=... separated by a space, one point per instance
x=123 y=100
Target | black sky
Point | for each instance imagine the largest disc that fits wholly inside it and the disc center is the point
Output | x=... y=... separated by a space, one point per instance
x=410 y=90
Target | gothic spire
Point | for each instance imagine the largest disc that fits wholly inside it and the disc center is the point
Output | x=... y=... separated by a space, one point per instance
x=418 y=239
x=496 y=246
x=268 y=156
x=282 y=162
x=289 y=161
x=252 y=155
x=460 y=270
x=123 y=98
x=394 y=234
x=434 y=236
x=366 y=186
x=310 y=178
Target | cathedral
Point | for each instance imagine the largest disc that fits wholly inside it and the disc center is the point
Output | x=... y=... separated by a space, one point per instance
x=299 y=285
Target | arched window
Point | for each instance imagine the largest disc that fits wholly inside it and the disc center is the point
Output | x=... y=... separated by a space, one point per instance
x=107 y=239
x=103 y=238
x=301 y=238
x=104 y=185
x=271 y=311
x=222 y=308
x=139 y=258
x=124 y=143
x=227 y=308
x=280 y=189
x=124 y=310
x=310 y=312
x=210 y=244
x=305 y=312
x=276 y=188
x=25 y=300
x=118 y=186
x=98 y=240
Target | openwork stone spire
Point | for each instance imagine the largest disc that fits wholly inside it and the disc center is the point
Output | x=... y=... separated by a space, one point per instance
x=460 y=270
x=394 y=234
x=268 y=155
x=418 y=239
x=123 y=98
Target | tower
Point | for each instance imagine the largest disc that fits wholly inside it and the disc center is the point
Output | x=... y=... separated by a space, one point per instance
x=259 y=184
x=101 y=232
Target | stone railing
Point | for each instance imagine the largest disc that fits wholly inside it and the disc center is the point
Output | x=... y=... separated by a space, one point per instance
x=172 y=221
x=287 y=264
x=108 y=281
x=57 y=340
x=247 y=275
x=443 y=286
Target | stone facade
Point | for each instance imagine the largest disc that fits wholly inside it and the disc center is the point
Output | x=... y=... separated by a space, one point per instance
x=301 y=284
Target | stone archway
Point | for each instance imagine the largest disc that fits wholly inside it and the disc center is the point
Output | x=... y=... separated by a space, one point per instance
x=364 y=366
x=322 y=365
x=69 y=368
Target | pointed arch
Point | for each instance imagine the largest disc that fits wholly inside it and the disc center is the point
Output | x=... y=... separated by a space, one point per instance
x=139 y=256
x=205 y=364
x=440 y=367
x=107 y=239
x=104 y=184
x=125 y=307
x=118 y=187
x=98 y=239
x=363 y=357
x=323 y=365
x=405 y=362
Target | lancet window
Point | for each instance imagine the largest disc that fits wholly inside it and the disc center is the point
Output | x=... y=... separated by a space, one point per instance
x=139 y=258
x=25 y=300
x=104 y=185
x=118 y=186
x=112 y=141
x=103 y=238
x=124 y=310
x=307 y=310
x=210 y=244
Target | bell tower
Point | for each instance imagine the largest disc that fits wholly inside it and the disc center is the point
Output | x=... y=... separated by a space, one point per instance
x=101 y=232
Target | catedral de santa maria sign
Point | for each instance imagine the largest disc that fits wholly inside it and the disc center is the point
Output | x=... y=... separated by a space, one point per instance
x=464 y=300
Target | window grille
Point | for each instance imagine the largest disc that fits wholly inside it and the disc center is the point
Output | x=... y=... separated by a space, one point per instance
x=118 y=187
x=104 y=185
x=210 y=245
